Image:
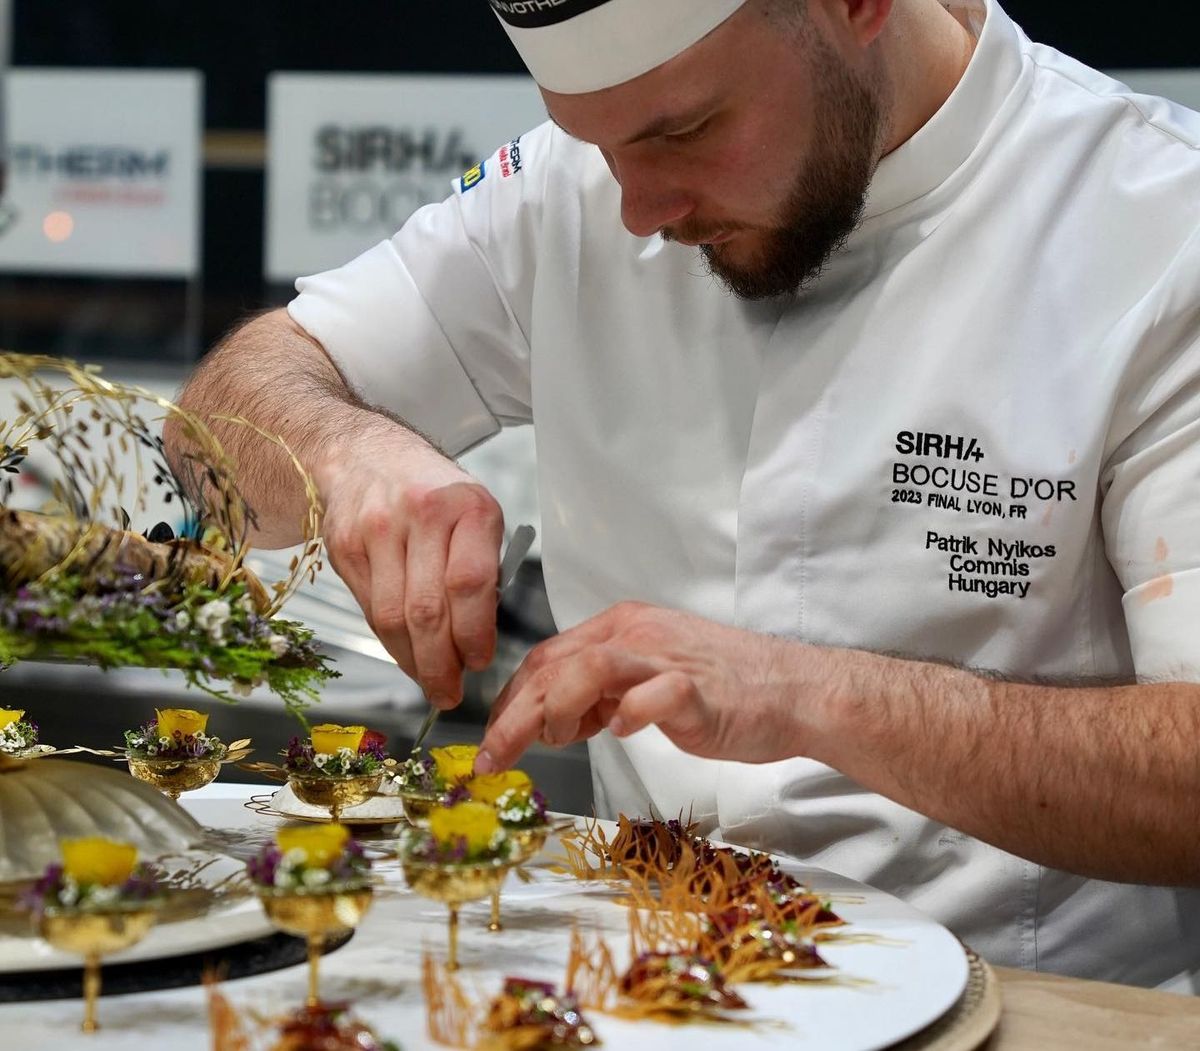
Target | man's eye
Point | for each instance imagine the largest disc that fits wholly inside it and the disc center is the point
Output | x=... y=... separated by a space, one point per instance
x=690 y=135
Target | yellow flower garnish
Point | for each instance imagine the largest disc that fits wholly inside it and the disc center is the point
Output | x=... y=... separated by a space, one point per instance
x=8 y=716
x=322 y=844
x=94 y=859
x=474 y=822
x=185 y=720
x=329 y=737
x=456 y=762
x=487 y=788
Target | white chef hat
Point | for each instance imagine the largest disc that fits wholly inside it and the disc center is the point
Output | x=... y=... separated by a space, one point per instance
x=574 y=46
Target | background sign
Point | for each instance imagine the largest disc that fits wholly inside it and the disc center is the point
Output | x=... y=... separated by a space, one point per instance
x=351 y=157
x=103 y=172
x=1178 y=85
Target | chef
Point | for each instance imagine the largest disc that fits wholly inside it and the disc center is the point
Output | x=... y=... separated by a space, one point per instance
x=861 y=339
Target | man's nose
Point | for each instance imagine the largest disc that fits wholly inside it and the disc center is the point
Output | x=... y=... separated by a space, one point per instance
x=646 y=209
x=649 y=202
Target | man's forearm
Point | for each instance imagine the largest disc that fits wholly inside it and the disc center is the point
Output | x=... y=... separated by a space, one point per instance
x=1100 y=781
x=272 y=373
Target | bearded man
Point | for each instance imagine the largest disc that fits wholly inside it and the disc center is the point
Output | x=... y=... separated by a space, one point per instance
x=860 y=339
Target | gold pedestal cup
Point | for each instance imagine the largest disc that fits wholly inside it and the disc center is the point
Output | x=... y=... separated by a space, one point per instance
x=175 y=776
x=455 y=884
x=335 y=794
x=314 y=917
x=93 y=934
x=417 y=808
x=528 y=841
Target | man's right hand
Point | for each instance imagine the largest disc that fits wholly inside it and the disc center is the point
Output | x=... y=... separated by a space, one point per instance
x=417 y=540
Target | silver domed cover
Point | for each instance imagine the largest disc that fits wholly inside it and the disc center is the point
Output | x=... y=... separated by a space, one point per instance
x=51 y=799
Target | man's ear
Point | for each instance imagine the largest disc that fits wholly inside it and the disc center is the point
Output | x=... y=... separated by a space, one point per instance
x=858 y=21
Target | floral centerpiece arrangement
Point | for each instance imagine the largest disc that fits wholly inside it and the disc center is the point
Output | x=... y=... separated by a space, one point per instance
x=97 y=900
x=464 y=854
x=206 y=634
x=95 y=874
x=459 y=821
x=313 y=882
x=423 y=782
x=432 y=776
x=79 y=582
x=310 y=859
x=518 y=804
x=336 y=751
x=337 y=767
x=520 y=811
x=176 y=733
x=18 y=735
x=175 y=754
x=460 y=834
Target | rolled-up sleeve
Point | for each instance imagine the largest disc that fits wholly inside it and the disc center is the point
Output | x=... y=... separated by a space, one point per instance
x=1151 y=509
x=432 y=324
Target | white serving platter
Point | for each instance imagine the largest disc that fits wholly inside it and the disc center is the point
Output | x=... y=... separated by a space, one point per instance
x=228 y=923
x=386 y=808
x=903 y=982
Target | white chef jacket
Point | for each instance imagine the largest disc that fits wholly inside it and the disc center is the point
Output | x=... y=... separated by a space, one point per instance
x=976 y=439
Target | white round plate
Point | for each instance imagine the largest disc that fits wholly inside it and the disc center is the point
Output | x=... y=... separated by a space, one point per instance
x=898 y=986
x=230 y=923
x=384 y=809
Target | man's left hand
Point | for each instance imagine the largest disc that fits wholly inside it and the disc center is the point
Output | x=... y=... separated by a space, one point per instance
x=715 y=691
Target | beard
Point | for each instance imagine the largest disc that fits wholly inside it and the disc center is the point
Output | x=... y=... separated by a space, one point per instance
x=825 y=202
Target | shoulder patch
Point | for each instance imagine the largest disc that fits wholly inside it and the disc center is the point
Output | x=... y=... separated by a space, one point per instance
x=509 y=158
x=472 y=177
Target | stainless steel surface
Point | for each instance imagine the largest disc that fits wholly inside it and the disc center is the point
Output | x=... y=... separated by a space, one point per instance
x=514 y=555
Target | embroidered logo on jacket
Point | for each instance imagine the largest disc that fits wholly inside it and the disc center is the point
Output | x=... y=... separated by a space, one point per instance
x=510 y=159
x=471 y=177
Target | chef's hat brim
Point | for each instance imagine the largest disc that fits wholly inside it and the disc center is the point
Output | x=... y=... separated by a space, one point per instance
x=576 y=46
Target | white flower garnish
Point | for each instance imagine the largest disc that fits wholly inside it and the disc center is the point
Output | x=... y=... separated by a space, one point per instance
x=69 y=894
x=13 y=738
x=212 y=618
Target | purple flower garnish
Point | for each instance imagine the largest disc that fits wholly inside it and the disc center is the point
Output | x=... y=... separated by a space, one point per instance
x=262 y=867
x=458 y=794
x=47 y=887
x=351 y=866
x=144 y=883
x=375 y=750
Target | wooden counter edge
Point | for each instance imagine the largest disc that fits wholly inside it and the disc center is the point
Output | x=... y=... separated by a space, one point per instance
x=1044 y=1012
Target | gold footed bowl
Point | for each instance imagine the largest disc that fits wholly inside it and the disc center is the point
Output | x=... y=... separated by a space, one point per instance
x=93 y=934
x=335 y=794
x=417 y=808
x=456 y=884
x=528 y=842
x=176 y=776
x=9 y=761
x=315 y=916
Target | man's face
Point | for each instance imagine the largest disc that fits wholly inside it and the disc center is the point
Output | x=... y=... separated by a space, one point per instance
x=756 y=144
